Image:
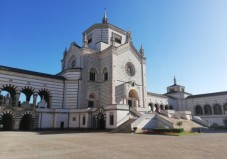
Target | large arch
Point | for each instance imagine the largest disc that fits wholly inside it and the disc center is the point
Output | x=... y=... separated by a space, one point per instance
x=45 y=97
x=151 y=107
x=28 y=92
x=7 y=120
x=198 y=110
x=133 y=99
x=217 y=109
x=99 y=119
x=207 y=110
x=157 y=107
x=9 y=98
x=27 y=121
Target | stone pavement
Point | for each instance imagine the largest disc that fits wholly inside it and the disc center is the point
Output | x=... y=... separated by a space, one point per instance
x=103 y=145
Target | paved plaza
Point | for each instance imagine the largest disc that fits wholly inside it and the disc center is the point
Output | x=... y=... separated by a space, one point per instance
x=102 y=145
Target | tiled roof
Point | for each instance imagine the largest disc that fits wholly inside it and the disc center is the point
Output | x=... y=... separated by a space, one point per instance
x=17 y=70
x=208 y=94
x=155 y=94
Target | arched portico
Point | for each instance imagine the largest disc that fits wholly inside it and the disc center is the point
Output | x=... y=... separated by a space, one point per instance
x=133 y=99
x=151 y=107
x=9 y=95
x=207 y=110
x=198 y=110
x=45 y=97
x=217 y=109
x=157 y=107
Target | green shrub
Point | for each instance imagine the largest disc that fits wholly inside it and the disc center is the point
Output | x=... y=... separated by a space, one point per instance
x=165 y=130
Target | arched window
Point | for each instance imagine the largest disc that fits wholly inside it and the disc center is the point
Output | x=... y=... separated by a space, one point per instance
x=92 y=76
x=217 y=109
x=105 y=74
x=198 y=110
x=91 y=101
x=8 y=95
x=207 y=110
x=166 y=107
x=26 y=96
x=44 y=97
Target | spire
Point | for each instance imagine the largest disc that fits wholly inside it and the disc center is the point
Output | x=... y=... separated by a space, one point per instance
x=141 y=50
x=104 y=19
x=85 y=41
x=175 y=81
x=128 y=36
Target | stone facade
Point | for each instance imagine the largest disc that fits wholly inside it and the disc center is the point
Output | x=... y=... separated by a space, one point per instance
x=102 y=85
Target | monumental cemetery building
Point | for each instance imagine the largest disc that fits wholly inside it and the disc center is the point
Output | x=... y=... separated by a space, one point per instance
x=102 y=85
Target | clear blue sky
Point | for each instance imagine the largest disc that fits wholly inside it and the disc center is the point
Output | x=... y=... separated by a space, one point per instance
x=185 y=38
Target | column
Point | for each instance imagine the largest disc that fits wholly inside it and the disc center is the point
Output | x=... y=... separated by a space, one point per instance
x=1 y=100
x=34 y=99
x=50 y=102
x=222 y=109
x=137 y=103
x=212 y=110
x=203 y=110
x=17 y=99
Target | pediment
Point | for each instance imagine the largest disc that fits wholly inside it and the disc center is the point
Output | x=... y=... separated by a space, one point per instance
x=129 y=46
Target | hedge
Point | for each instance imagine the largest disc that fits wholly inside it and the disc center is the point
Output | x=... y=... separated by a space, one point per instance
x=165 y=130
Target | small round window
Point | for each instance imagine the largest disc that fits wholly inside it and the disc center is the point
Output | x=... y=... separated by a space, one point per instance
x=130 y=69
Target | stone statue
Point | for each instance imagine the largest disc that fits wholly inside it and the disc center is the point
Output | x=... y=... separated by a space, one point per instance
x=42 y=104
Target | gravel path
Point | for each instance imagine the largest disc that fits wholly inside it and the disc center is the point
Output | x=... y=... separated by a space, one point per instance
x=79 y=145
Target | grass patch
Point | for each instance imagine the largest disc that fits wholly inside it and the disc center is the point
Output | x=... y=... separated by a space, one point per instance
x=185 y=133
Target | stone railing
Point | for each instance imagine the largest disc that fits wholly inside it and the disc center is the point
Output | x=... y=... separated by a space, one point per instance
x=200 y=121
x=164 y=121
x=132 y=110
x=139 y=120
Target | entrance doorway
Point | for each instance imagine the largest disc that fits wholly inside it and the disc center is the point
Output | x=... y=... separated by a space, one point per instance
x=26 y=122
x=99 y=119
x=133 y=99
x=101 y=122
x=130 y=103
x=7 y=122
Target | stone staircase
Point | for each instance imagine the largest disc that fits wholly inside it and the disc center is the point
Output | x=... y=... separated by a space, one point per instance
x=188 y=125
x=124 y=128
x=134 y=112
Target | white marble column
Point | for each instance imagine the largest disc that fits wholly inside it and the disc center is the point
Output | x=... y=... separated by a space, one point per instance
x=17 y=99
x=34 y=99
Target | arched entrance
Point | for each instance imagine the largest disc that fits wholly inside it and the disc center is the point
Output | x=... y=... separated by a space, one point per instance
x=157 y=108
x=133 y=100
x=7 y=122
x=151 y=107
x=99 y=119
x=26 y=122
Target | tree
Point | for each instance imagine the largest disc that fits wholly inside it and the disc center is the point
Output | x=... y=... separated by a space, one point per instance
x=179 y=123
